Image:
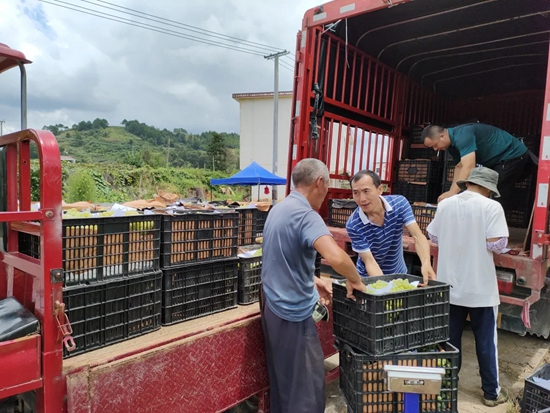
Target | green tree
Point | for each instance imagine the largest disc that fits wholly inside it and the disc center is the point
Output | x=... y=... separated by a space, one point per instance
x=217 y=153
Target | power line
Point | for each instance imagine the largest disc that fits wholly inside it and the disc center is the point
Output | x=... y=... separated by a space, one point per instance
x=162 y=20
x=150 y=27
x=184 y=26
x=118 y=19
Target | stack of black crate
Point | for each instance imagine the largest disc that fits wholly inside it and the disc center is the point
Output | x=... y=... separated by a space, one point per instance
x=419 y=173
x=111 y=279
x=199 y=264
x=407 y=328
x=251 y=226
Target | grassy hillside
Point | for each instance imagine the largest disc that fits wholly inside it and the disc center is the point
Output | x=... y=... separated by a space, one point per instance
x=139 y=144
x=105 y=145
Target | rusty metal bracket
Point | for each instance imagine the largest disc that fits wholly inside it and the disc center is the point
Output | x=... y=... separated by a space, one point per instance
x=56 y=275
x=64 y=325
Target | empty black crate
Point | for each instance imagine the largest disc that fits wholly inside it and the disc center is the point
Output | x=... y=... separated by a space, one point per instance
x=109 y=312
x=247 y=222
x=448 y=171
x=104 y=248
x=197 y=290
x=422 y=152
x=365 y=390
x=535 y=396
x=85 y=309
x=417 y=192
x=144 y=303
x=416 y=134
x=339 y=210
x=318 y=265
x=250 y=272
x=198 y=236
x=419 y=170
x=424 y=214
x=393 y=322
x=260 y=218
x=516 y=218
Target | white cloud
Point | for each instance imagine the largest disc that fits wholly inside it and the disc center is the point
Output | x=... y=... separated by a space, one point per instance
x=86 y=67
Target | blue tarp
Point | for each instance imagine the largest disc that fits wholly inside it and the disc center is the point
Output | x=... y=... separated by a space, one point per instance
x=253 y=174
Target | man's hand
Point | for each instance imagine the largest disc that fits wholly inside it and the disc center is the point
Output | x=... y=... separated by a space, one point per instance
x=359 y=286
x=428 y=273
x=445 y=195
x=325 y=290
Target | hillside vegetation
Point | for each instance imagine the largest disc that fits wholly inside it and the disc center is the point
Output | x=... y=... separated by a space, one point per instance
x=136 y=161
x=139 y=144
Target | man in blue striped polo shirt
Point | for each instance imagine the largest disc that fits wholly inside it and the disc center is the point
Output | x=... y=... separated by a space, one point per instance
x=375 y=229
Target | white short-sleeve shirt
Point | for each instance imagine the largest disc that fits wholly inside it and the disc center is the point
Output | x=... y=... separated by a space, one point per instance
x=462 y=224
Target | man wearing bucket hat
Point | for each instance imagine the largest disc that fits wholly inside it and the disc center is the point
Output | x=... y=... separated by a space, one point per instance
x=469 y=228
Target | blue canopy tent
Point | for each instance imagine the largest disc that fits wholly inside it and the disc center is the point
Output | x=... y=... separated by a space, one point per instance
x=253 y=174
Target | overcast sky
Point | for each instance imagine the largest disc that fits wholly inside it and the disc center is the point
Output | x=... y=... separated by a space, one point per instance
x=85 y=67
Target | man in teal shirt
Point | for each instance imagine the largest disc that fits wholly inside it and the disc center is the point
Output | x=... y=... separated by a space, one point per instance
x=477 y=143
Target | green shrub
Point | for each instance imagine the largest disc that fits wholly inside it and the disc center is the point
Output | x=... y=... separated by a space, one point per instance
x=81 y=187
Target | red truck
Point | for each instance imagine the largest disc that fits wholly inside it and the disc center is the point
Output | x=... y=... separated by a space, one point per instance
x=368 y=70
x=365 y=71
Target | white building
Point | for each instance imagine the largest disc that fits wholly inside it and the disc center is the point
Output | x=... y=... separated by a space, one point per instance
x=256 y=133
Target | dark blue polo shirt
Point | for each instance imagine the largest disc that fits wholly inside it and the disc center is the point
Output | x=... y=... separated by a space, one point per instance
x=491 y=144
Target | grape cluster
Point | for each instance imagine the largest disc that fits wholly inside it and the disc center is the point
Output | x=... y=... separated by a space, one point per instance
x=400 y=284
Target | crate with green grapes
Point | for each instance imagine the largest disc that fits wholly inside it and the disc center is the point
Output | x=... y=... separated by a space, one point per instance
x=395 y=314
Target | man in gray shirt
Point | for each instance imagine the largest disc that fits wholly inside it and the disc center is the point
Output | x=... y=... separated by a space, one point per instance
x=293 y=234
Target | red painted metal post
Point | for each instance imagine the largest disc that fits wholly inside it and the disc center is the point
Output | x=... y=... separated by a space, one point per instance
x=27 y=272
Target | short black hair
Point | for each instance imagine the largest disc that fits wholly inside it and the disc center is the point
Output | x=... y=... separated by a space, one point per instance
x=364 y=172
x=431 y=131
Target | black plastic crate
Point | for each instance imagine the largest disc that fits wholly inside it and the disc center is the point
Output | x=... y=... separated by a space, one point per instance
x=422 y=153
x=85 y=308
x=448 y=171
x=419 y=170
x=536 y=397
x=517 y=218
x=365 y=390
x=418 y=192
x=260 y=218
x=318 y=258
x=250 y=272
x=198 y=236
x=197 y=290
x=104 y=248
x=247 y=223
x=339 y=210
x=144 y=304
x=416 y=133
x=424 y=214
x=393 y=322
x=113 y=311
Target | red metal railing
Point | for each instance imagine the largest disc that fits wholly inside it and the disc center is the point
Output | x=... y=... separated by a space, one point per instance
x=348 y=146
x=32 y=282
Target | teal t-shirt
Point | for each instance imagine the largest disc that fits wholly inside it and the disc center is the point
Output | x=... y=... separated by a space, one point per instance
x=491 y=144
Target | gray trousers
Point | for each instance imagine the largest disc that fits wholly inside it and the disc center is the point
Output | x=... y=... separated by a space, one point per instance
x=295 y=365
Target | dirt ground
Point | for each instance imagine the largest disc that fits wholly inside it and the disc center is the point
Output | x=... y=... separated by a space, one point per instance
x=518 y=358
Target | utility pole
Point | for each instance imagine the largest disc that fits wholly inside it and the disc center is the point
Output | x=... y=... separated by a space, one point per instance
x=275 y=57
x=168 y=153
x=2 y=127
